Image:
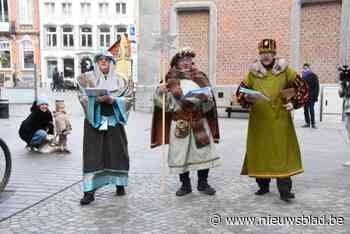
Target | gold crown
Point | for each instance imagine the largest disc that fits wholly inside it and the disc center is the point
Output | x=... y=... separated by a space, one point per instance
x=267 y=46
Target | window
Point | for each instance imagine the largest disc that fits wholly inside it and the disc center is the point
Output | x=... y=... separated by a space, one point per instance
x=103 y=8
x=121 y=29
x=105 y=36
x=25 y=12
x=4 y=12
x=50 y=8
x=68 y=36
x=121 y=8
x=67 y=9
x=5 y=54
x=85 y=8
x=86 y=37
x=28 y=54
x=51 y=37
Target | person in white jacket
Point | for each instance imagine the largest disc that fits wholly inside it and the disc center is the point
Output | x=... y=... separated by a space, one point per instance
x=344 y=92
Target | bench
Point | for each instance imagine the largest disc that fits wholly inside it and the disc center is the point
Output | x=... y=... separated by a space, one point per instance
x=234 y=107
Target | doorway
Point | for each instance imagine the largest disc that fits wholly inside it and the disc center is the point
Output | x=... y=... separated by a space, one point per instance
x=68 y=67
x=51 y=65
x=193 y=31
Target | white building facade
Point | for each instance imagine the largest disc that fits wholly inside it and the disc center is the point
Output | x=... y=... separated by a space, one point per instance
x=72 y=29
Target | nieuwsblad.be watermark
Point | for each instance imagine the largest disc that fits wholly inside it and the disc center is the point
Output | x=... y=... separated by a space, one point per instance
x=303 y=220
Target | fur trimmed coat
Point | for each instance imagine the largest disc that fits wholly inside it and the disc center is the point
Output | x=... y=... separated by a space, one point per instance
x=272 y=145
x=187 y=153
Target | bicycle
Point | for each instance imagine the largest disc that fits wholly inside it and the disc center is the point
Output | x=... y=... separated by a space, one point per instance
x=5 y=165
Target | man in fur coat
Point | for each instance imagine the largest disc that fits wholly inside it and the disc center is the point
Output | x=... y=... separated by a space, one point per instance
x=191 y=125
x=272 y=145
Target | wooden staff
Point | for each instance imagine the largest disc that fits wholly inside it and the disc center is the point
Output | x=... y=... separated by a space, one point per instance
x=164 y=155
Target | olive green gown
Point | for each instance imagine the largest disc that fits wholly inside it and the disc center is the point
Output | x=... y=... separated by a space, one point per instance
x=272 y=146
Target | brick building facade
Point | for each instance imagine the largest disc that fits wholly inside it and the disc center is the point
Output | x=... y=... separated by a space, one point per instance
x=19 y=42
x=225 y=34
x=320 y=38
x=241 y=24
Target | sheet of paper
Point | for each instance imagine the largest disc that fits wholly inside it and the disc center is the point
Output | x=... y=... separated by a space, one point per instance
x=255 y=94
x=205 y=90
x=96 y=92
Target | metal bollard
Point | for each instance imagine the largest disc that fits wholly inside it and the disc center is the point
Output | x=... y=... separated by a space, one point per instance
x=4 y=109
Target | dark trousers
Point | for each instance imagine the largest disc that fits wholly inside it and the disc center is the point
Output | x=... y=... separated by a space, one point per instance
x=202 y=177
x=309 y=112
x=284 y=185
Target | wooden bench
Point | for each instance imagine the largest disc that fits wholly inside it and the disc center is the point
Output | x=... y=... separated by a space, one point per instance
x=235 y=109
x=232 y=107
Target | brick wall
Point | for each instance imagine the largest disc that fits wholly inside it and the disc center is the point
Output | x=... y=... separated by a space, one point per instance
x=193 y=32
x=242 y=24
x=320 y=38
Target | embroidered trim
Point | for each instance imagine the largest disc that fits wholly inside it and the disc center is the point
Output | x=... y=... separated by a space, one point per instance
x=283 y=175
x=99 y=181
x=302 y=92
x=189 y=164
x=240 y=97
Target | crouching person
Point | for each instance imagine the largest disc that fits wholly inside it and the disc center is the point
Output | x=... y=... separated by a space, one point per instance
x=34 y=130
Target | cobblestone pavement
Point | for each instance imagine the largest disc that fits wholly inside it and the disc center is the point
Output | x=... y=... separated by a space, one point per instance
x=43 y=201
x=36 y=176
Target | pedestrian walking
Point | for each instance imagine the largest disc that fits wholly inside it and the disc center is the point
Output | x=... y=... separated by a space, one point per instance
x=61 y=85
x=314 y=88
x=55 y=79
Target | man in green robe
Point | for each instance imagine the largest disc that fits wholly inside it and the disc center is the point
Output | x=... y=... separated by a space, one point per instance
x=272 y=145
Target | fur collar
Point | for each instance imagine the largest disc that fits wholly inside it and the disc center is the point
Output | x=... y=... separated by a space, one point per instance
x=259 y=70
x=194 y=74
